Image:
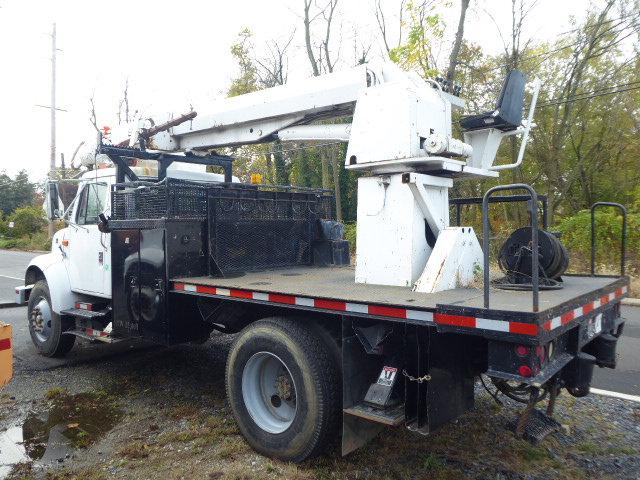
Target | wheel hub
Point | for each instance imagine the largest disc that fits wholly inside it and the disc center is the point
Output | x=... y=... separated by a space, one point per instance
x=40 y=319
x=284 y=386
x=269 y=392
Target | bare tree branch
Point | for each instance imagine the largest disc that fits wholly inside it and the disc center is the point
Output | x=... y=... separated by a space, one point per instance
x=274 y=69
x=382 y=24
x=92 y=114
x=307 y=38
x=453 y=58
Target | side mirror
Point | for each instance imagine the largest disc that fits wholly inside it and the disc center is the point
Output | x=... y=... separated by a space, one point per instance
x=52 y=203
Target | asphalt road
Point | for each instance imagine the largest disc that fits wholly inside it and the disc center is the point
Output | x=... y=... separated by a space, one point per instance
x=625 y=379
x=12 y=267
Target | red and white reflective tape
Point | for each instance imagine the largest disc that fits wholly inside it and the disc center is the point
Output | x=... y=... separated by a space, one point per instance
x=585 y=309
x=463 y=321
x=5 y=344
x=486 y=324
x=324 y=304
x=84 y=306
x=526 y=328
x=95 y=333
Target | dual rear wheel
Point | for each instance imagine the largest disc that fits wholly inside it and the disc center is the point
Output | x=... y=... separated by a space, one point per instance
x=284 y=387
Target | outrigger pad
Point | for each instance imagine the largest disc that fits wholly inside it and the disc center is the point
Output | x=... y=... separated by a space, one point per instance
x=539 y=426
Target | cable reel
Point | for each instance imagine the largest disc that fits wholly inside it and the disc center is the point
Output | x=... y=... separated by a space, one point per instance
x=515 y=260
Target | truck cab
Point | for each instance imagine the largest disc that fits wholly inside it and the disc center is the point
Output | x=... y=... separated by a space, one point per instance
x=76 y=273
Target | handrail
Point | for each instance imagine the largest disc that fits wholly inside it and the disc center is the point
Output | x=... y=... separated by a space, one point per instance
x=460 y=201
x=623 y=246
x=534 y=239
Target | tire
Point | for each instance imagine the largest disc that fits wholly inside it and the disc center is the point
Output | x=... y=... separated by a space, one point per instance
x=308 y=391
x=46 y=326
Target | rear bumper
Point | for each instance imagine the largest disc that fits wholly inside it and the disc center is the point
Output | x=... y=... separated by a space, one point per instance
x=536 y=364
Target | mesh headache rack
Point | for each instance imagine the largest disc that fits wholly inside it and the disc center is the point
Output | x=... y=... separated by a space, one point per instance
x=249 y=227
x=255 y=229
x=176 y=199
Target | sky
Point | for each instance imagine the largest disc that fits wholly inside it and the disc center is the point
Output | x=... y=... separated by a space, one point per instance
x=176 y=54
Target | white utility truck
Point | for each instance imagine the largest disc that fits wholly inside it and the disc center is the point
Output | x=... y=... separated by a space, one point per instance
x=158 y=248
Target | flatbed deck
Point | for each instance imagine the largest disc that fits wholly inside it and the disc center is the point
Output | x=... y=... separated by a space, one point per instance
x=334 y=289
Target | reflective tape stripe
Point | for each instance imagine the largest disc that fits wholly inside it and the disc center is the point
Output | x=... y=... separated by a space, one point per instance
x=357 y=308
x=384 y=311
x=455 y=320
x=5 y=344
x=420 y=315
x=278 y=298
x=330 y=304
x=304 y=301
x=463 y=321
x=523 y=328
x=488 y=324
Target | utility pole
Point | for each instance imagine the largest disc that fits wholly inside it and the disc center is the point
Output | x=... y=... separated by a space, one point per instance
x=52 y=167
x=52 y=108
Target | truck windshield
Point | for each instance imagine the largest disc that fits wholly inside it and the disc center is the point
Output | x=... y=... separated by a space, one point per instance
x=92 y=203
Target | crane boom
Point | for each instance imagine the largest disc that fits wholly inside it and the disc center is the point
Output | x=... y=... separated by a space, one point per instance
x=400 y=133
x=257 y=117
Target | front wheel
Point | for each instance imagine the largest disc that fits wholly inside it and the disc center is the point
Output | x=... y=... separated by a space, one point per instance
x=45 y=326
x=283 y=384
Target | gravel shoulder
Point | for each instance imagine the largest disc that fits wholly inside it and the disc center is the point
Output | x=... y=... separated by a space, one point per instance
x=173 y=421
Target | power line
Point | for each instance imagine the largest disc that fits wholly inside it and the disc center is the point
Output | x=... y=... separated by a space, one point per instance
x=577 y=98
x=604 y=21
x=565 y=47
x=583 y=96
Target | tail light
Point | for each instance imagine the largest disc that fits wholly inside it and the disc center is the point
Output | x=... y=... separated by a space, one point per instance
x=525 y=371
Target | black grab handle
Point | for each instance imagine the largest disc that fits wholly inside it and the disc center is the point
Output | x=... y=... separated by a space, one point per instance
x=623 y=246
x=535 y=281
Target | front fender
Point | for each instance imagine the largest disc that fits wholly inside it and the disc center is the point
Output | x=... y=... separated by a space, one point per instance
x=50 y=266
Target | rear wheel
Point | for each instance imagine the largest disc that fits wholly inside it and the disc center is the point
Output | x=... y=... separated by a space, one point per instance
x=283 y=384
x=45 y=326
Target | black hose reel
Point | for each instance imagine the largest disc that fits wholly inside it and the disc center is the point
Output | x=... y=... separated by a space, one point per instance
x=515 y=260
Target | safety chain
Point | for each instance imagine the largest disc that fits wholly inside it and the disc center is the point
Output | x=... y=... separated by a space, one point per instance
x=424 y=378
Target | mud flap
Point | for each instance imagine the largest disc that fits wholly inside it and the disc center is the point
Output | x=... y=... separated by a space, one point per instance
x=438 y=383
x=358 y=368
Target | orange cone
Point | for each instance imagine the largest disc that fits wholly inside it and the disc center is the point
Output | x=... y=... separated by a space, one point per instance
x=6 y=354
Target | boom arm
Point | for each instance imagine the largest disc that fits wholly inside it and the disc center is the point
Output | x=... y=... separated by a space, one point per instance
x=400 y=122
x=258 y=117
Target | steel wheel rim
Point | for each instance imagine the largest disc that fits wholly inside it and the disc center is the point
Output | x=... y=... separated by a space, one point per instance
x=269 y=392
x=40 y=320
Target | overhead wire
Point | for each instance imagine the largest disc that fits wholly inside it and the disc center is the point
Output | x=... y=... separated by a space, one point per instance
x=560 y=48
x=611 y=90
x=583 y=96
x=577 y=98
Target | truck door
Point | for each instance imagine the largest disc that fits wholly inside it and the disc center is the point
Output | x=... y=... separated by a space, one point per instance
x=88 y=256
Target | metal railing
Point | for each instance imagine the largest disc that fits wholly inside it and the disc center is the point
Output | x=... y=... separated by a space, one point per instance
x=623 y=246
x=535 y=277
x=459 y=202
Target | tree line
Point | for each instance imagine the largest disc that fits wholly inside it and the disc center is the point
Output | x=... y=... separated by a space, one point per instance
x=585 y=145
x=586 y=142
